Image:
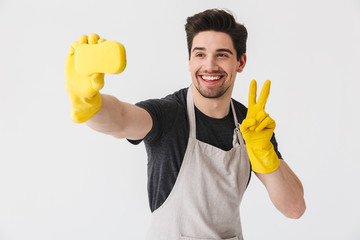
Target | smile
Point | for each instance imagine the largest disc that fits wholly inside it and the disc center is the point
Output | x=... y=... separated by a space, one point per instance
x=211 y=78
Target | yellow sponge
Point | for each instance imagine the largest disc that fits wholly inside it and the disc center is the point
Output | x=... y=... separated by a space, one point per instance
x=105 y=57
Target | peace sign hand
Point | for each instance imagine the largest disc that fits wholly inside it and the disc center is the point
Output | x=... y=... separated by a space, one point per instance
x=257 y=129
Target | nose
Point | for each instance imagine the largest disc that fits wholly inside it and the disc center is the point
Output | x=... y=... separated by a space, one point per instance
x=210 y=64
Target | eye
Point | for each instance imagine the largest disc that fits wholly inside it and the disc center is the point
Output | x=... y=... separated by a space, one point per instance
x=222 y=55
x=199 y=55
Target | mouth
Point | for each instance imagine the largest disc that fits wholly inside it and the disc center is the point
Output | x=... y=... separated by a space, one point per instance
x=211 y=79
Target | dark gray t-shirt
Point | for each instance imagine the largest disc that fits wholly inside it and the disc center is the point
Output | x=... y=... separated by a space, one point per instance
x=167 y=140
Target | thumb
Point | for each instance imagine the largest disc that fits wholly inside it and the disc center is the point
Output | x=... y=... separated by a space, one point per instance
x=73 y=47
x=97 y=81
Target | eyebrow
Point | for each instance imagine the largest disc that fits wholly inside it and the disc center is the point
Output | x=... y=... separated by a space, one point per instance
x=198 y=49
x=218 y=50
x=225 y=50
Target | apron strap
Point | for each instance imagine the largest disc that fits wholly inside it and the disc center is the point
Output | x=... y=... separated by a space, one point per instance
x=191 y=112
x=237 y=138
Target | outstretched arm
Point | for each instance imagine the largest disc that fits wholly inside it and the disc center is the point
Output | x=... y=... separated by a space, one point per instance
x=121 y=119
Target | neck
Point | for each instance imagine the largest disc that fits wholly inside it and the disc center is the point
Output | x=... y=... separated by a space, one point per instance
x=212 y=107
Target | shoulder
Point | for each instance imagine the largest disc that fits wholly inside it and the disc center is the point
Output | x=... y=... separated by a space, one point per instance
x=178 y=96
x=174 y=99
x=165 y=112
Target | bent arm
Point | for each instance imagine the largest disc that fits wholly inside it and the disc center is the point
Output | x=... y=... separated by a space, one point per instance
x=120 y=119
x=285 y=190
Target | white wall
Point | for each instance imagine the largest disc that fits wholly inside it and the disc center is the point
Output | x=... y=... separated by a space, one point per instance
x=60 y=180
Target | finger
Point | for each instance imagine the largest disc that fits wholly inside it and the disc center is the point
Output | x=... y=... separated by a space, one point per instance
x=265 y=91
x=101 y=40
x=246 y=124
x=73 y=47
x=260 y=116
x=268 y=123
x=97 y=81
x=83 y=39
x=93 y=38
x=252 y=93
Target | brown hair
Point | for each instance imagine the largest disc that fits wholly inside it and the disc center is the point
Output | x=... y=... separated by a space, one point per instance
x=220 y=21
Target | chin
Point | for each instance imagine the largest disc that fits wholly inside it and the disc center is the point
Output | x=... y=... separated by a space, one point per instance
x=211 y=93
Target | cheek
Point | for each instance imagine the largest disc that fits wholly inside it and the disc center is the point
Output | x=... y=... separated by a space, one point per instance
x=232 y=68
x=193 y=67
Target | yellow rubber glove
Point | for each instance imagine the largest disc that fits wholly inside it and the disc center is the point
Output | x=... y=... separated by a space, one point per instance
x=85 y=65
x=257 y=129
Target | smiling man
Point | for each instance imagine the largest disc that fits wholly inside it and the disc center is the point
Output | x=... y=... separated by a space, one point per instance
x=213 y=66
x=202 y=145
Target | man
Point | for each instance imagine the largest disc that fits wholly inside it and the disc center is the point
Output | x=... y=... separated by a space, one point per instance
x=199 y=163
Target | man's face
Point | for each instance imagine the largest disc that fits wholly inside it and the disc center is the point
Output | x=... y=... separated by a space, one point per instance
x=213 y=64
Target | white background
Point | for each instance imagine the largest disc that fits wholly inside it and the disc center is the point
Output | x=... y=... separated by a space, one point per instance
x=61 y=180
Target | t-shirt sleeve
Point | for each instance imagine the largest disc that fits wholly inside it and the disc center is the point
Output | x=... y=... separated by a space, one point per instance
x=275 y=144
x=162 y=112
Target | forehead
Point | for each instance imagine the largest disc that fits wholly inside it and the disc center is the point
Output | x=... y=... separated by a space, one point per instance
x=211 y=40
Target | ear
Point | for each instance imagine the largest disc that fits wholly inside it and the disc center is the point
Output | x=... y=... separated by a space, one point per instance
x=242 y=63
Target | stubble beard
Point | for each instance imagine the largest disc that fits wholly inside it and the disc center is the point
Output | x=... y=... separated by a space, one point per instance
x=217 y=92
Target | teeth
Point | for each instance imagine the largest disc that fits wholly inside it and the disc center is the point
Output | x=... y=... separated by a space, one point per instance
x=211 y=78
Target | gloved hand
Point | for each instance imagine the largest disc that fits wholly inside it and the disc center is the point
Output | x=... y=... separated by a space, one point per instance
x=85 y=65
x=257 y=129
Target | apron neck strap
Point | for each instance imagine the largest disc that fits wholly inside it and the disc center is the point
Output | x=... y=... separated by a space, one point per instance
x=191 y=112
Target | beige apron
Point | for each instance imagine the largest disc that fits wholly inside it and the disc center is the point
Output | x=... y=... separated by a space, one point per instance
x=204 y=202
